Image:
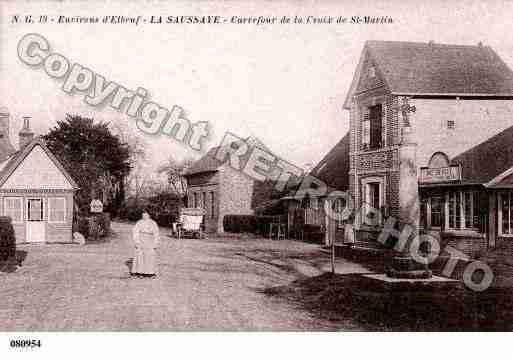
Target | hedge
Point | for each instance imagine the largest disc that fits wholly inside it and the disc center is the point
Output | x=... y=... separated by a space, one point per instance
x=163 y=209
x=240 y=223
x=7 y=239
x=237 y=223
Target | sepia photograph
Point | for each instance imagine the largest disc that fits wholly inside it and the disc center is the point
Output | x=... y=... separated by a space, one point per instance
x=183 y=169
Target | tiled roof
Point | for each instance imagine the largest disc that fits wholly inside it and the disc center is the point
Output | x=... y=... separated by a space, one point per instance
x=209 y=163
x=333 y=169
x=487 y=160
x=438 y=69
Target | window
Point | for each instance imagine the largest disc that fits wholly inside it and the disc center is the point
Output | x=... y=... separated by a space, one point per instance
x=373 y=200
x=57 y=209
x=451 y=124
x=438 y=160
x=506 y=213
x=212 y=205
x=195 y=199
x=375 y=123
x=373 y=190
x=436 y=211
x=456 y=210
x=204 y=200
x=13 y=207
x=365 y=131
x=34 y=210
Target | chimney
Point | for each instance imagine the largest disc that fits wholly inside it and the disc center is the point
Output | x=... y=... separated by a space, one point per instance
x=26 y=135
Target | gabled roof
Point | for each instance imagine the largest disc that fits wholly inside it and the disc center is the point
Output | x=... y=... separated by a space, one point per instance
x=333 y=169
x=488 y=160
x=412 y=68
x=8 y=166
x=209 y=162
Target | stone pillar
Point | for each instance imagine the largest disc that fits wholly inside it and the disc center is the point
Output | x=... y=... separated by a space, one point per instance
x=402 y=264
x=409 y=205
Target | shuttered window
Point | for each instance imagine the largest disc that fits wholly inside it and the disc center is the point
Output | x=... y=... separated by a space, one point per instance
x=365 y=129
x=56 y=209
x=376 y=124
x=13 y=207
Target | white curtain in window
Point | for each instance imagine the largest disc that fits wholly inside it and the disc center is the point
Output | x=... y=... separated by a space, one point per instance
x=57 y=209
x=14 y=208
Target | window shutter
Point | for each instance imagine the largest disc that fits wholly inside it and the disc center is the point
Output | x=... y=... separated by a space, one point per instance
x=365 y=128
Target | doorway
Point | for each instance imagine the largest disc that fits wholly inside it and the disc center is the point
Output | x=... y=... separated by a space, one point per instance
x=35 y=222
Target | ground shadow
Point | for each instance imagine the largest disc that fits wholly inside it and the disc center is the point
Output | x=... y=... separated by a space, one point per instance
x=11 y=264
x=351 y=297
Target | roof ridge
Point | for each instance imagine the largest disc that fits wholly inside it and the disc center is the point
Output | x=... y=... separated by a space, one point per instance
x=434 y=44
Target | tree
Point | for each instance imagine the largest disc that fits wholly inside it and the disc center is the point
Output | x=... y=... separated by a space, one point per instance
x=136 y=180
x=174 y=170
x=98 y=160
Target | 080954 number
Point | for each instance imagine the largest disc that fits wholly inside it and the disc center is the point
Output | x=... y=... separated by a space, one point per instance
x=25 y=343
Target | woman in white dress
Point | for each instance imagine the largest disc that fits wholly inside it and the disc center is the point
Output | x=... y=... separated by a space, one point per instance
x=146 y=240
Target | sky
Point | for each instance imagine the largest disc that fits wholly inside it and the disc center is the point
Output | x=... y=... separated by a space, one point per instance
x=284 y=84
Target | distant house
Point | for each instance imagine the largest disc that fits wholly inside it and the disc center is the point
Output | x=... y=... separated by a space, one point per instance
x=333 y=170
x=222 y=190
x=35 y=190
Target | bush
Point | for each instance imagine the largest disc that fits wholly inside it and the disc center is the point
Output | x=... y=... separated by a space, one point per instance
x=94 y=226
x=7 y=239
x=164 y=219
x=163 y=208
x=240 y=223
x=131 y=212
x=81 y=225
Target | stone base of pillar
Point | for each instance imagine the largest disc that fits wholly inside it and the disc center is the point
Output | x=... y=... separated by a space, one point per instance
x=407 y=268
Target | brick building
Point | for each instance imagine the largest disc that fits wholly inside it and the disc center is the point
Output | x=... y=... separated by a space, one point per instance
x=222 y=190
x=431 y=141
x=35 y=190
